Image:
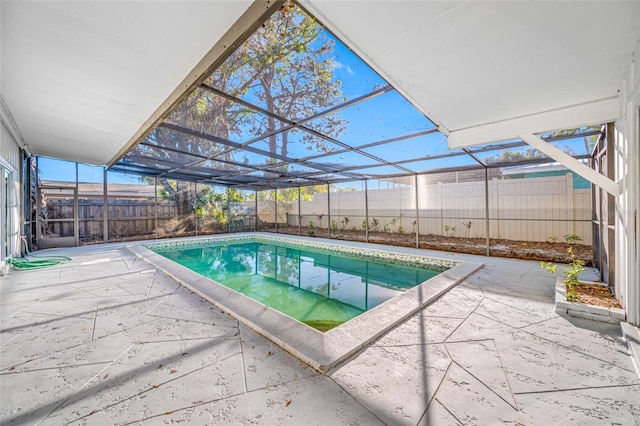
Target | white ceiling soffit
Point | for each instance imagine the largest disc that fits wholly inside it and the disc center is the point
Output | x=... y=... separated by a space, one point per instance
x=472 y=67
x=80 y=78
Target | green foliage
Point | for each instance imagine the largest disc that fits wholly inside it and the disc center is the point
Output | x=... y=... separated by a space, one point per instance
x=573 y=272
x=572 y=238
x=450 y=230
x=549 y=266
x=286 y=65
x=311 y=229
x=334 y=225
x=374 y=224
x=213 y=204
x=521 y=154
x=364 y=224
x=400 y=229
x=290 y=195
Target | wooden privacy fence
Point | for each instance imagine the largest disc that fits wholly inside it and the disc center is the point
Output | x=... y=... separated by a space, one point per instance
x=533 y=209
x=142 y=218
x=127 y=218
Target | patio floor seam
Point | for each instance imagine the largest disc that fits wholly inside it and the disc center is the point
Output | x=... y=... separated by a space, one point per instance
x=345 y=390
x=629 y=385
x=486 y=386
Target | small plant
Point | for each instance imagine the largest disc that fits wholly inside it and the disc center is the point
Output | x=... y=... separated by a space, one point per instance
x=385 y=228
x=552 y=239
x=334 y=225
x=400 y=229
x=572 y=238
x=345 y=222
x=311 y=229
x=393 y=222
x=450 y=230
x=467 y=226
x=572 y=273
x=374 y=224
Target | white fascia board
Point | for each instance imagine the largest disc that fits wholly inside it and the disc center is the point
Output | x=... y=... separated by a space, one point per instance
x=572 y=164
x=592 y=113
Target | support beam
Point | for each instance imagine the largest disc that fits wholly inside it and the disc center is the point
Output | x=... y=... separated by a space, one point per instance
x=572 y=164
x=105 y=206
x=592 y=113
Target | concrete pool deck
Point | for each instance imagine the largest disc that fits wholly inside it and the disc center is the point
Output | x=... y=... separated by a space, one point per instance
x=109 y=339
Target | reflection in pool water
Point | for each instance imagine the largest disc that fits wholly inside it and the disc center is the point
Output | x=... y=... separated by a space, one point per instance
x=320 y=289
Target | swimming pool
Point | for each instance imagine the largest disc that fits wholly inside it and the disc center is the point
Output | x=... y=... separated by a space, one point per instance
x=318 y=287
x=321 y=350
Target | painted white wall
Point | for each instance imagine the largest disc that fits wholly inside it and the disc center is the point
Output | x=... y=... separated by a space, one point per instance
x=10 y=160
x=627 y=165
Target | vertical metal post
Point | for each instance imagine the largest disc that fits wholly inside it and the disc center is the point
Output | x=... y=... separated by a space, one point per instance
x=255 y=221
x=228 y=211
x=366 y=212
x=366 y=287
x=195 y=190
x=487 y=250
x=417 y=214
x=329 y=276
x=299 y=214
x=155 y=206
x=38 y=205
x=105 y=207
x=275 y=191
x=76 y=211
x=328 y=211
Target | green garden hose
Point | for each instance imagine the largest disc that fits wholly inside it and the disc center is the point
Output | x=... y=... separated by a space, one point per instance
x=23 y=263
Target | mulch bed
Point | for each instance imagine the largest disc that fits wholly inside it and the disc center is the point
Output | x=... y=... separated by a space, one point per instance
x=529 y=250
x=596 y=295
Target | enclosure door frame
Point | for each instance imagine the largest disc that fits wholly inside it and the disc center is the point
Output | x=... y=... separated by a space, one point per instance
x=50 y=242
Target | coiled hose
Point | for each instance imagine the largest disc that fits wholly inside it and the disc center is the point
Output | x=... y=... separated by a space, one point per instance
x=22 y=263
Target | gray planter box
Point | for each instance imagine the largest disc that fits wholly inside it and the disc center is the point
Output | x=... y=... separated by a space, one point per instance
x=581 y=310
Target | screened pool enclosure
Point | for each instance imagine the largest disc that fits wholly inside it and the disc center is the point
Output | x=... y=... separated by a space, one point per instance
x=291 y=132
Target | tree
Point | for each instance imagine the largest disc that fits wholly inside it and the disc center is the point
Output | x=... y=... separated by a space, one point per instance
x=508 y=155
x=285 y=67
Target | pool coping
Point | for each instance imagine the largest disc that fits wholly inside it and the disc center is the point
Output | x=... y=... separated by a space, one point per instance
x=322 y=351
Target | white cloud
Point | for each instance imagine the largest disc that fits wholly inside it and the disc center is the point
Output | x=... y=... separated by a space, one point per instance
x=339 y=65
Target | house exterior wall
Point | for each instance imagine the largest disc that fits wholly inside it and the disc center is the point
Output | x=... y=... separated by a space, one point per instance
x=627 y=169
x=10 y=194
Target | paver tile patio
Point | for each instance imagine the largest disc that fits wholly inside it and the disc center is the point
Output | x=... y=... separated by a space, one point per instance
x=108 y=339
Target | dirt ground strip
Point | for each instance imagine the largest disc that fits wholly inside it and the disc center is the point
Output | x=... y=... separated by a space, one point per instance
x=528 y=250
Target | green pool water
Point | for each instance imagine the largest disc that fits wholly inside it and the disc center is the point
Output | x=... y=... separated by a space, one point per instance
x=322 y=290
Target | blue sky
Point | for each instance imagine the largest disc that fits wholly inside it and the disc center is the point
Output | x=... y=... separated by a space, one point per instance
x=65 y=171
